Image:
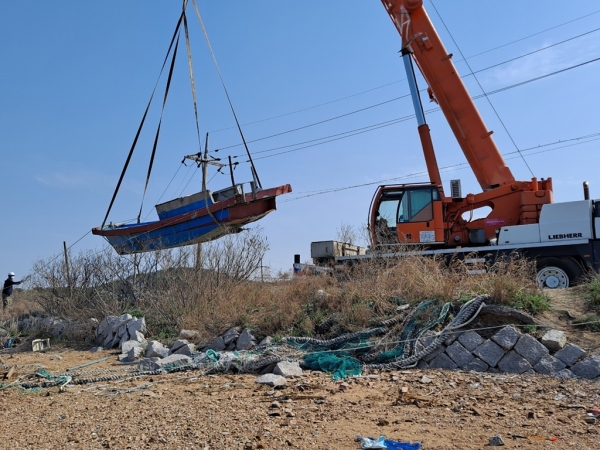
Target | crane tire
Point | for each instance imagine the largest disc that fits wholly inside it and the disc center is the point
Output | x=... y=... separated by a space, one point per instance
x=558 y=273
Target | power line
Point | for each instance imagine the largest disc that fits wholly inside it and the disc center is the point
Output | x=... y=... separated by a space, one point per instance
x=394 y=82
x=357 y=131
x=452 y=167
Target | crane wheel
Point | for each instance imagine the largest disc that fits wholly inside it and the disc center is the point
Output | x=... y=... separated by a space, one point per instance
x=558 y=273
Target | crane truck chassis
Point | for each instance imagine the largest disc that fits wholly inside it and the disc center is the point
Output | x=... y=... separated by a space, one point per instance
x=421 y=219
x=564 y=244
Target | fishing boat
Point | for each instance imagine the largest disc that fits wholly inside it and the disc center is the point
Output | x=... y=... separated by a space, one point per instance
x=195 y=218
x=202 y=216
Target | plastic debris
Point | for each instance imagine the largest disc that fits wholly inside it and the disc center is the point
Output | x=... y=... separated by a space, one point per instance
x=388 y=444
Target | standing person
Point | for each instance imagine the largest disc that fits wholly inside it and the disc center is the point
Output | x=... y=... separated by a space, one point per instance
x=8 y=290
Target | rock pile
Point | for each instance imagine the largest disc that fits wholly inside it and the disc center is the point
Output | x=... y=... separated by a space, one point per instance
x=511 y=351
x=114 y=331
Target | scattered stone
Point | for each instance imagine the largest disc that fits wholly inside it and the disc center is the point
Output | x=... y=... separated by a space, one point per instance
x=459 y=354
x=96 y=349
x=174 y=361
x=186 y=349
x=489 y=352
x=425 y=379
x=442 y=361
x=128 y=345
x=507 y=337
x=178 y=344
x=119 y=321
x=245 y=341
x=570 y=354
x=529 y=348
x=156 y=349
x=549 y=365
x=470 y=340
x=496 y=441
x=134 y=353
x=56 y=357
x=188 y=334
x=554 y=340
x=266 y=341
x=217 y=345
x=148 y=365
x=288 y=369
x=588 y=368
x=136 y=324
x=513 y=362
x=271 y=379
x=231 y=335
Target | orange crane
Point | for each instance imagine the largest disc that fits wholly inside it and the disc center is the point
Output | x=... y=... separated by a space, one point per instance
x=421 y=213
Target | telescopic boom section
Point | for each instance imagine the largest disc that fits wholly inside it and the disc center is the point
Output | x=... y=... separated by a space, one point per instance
x=447 y=89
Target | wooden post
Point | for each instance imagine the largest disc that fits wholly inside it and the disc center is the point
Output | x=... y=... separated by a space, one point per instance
x=198 y=256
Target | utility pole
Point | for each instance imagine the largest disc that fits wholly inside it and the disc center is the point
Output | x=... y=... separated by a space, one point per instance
x=67 y=268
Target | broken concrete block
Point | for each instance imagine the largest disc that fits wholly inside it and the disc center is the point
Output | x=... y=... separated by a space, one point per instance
x=489 y=352
x=119 y=321
x=230 y=347
x=460 y=355
x=245 y=341
x=470 y=340
x=513 y=362
x=123 y=357
x=127 y=345
x=549 y=365
x=570 y=354
x=172 y=361
x=271 y=379
x=530 y=348
x=155 y=348
x=588 y=368
x=147 y=365
x=136 y=324
x=188 y=334
x=178 y=344
x=136 y=336
x=186 y=349
x=288 y=369
x=443 y=361
x=554 y=340
x=266 y=341
x=217 y=345
x=231 y=335
x=108 y=340
x=134 y=353
x=507 y=337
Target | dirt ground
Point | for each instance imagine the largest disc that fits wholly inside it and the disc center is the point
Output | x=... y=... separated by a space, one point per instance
x=188 y=410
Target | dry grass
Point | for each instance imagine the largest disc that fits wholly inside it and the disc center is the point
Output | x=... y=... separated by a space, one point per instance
x=173 y=292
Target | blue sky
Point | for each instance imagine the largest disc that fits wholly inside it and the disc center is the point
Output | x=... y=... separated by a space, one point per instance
x=76 y=79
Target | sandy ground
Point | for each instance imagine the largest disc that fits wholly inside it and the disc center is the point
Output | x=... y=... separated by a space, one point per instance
x=188 y=410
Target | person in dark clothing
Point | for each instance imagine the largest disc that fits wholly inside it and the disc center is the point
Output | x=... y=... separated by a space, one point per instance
x=8 y=290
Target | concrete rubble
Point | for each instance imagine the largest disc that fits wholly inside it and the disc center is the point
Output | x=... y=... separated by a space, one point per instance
x=508 y=350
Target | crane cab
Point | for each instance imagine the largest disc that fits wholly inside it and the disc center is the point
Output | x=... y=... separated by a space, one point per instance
x=407 y=214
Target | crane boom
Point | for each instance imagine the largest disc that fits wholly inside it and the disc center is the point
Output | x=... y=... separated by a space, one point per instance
x=448 y=90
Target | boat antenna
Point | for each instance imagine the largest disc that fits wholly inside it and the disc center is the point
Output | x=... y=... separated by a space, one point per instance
x=252 y=167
